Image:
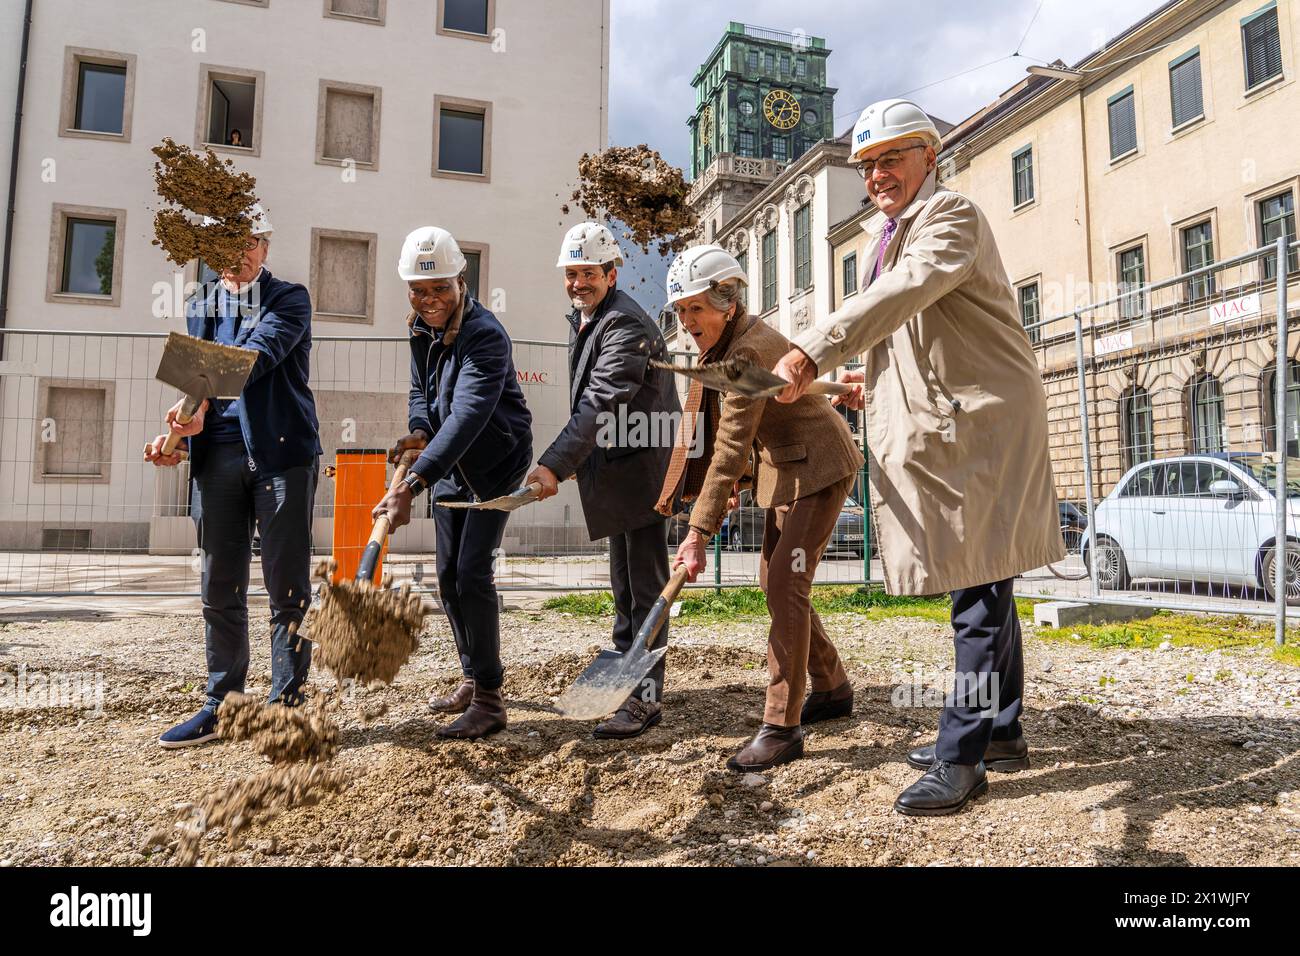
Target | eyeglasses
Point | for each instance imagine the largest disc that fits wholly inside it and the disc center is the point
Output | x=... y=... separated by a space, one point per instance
x=888 y=161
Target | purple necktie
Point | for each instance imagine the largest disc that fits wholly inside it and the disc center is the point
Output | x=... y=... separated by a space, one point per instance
x=890 y=226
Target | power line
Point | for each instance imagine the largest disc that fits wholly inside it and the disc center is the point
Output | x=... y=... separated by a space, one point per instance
x=1032 y=21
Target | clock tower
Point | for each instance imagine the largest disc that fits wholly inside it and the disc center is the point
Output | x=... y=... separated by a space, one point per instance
x=761 y=102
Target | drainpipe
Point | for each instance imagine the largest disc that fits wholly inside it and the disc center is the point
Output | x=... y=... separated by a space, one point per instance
x=13 y=175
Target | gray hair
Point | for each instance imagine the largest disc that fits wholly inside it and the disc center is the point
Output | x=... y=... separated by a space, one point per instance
x=725 y=297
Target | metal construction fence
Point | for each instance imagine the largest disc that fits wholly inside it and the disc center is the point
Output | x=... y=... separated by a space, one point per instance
x=1166 y=413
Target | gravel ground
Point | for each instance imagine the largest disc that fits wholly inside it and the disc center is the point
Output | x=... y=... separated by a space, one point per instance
x=1166 y=757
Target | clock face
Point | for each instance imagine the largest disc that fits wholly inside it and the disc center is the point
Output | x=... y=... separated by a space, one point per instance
x=706 y=124
x=781 y=109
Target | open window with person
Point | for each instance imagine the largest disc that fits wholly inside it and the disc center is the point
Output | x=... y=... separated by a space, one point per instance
x=230 y=109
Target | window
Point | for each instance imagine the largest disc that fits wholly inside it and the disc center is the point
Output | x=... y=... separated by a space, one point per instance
x=1262 y=46
x=476 y=269
x=462 y=139
x=801 y=67
x=1123 y=124
x=751 y=61
x=343 y=275
x=743 y=260
x=769 y=62
x=1198 y=252
x=1185 y=96
x=230 y=109
x=1277 y=219
x=785 y=64
x=1147 y=483
x=780 y=148
x=474 y=17
x=747 y=107
x=803 y=247
x=370 y=11
x=745 y=143
x=769 y=271
x=76 y=432
x=98 y=90
x=86 y=257
x=1209 y=426
x=849 y=269
x=1269 y=403
x=1022 y=177
x=1132 y=277
x=1135 y=419
x=1029 y=311
x=347 y=124
x=810 y=121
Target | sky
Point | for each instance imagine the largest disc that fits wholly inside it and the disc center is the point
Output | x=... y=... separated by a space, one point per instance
x=881 y=49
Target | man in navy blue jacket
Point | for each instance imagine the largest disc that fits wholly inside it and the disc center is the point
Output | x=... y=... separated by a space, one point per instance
x=467 y=414
x=253 y=461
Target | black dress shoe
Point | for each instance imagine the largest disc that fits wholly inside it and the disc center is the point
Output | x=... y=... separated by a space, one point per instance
x=771 y=746
x=1002 y=756
x=945 y=788
x=827 y=704
x=634 y=718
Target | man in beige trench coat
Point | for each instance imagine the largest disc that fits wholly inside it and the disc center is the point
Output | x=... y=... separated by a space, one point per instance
x=956 y=423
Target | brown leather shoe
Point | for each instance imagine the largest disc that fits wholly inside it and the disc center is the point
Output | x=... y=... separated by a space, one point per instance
x=771 y=746
x=456 y=702
x=634 y=718
x=486 y=715
x=827 y=704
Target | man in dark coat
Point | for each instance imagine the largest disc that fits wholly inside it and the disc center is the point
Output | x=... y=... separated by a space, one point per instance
x=617 y=444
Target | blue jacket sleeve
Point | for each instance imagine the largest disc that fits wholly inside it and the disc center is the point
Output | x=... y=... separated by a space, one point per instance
x=616 y=376
x=278 y=331
x=484 y=361
x=417 y=404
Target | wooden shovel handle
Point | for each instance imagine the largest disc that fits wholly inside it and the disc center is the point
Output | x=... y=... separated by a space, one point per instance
x=654 y=621
x=370 y=557
x=184 y=417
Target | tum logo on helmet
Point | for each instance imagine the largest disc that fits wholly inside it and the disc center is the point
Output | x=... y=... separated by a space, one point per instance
x=864 y=136
x=575 y=253
x=428 y=266
x=675 y=287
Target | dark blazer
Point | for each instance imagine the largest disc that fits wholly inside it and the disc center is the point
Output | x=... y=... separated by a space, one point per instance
x=611 y=381
x=277 y=411
x=466 y=397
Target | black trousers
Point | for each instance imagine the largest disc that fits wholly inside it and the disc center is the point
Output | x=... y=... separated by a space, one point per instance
x=229 y=501
x=467 y=546
x=986 y=699
x=638 y=571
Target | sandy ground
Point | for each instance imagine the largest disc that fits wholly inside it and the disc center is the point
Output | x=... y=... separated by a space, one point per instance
x=1165 y=757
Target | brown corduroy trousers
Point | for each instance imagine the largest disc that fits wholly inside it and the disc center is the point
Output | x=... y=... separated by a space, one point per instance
x=794 y=537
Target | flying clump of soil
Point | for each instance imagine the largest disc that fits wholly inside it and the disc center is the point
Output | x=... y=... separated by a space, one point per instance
x=192 y=186
x=362 y=632
x=637 y=187
x=279 y=733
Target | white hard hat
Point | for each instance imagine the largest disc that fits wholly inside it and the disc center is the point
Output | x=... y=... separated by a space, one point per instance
x=890 y=120
x=589 y=244
x=430 y=253
x=698 y=269
x=255 y=212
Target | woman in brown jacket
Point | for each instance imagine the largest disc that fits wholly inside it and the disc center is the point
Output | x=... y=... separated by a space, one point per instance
x=803 y=494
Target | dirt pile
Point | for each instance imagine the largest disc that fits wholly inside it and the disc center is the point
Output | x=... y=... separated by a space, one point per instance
x=279 y=733
x=193 y=184
x=637 y=187
x=362 y=632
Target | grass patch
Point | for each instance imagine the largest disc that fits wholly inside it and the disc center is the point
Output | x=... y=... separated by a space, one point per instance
x=705 y=605
x=1180 y=630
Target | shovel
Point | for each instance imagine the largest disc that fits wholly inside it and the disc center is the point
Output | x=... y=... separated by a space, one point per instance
x=202 y=370
x=611 y=677
x=743 y=377
x=516 y=499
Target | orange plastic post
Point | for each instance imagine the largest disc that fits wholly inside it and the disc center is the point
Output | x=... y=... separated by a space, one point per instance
x=360 y=483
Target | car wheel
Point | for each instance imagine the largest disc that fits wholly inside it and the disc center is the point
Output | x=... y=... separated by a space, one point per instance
x=1112 y=568
x=1292 y=585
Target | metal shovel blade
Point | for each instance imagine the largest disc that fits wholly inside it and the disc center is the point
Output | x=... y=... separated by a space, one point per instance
x=516 y=499
x=742 y=377
x=202 y=369
x=611 y=677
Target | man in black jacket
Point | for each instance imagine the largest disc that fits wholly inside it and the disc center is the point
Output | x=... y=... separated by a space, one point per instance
x=253 y=461
x=467 y=415
x=617 y=443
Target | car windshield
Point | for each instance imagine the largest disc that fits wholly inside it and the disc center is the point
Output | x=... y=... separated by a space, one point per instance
x=1264 y=470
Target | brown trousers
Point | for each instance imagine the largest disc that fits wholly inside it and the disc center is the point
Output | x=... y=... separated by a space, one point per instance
x=794 y=538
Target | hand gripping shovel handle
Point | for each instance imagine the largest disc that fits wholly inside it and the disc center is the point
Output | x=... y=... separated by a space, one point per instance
x=370 y=557
x=654 y=621
x=184 y=417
